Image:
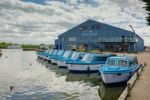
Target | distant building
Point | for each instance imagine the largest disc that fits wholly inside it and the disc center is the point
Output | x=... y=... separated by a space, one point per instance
x=44 y=47
x=15 y=46
x=92 y=35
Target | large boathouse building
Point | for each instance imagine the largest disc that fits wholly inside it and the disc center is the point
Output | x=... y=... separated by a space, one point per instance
x=93 y=35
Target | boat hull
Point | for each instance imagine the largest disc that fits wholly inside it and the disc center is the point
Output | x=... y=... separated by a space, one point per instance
x=83 y=68
x=61 y=64
x=53 y=61
x=115 y=77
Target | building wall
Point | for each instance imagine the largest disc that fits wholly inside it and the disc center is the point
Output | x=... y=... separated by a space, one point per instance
x=95 y=34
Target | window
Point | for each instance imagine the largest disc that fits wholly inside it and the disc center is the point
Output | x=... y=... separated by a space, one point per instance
x=55 y=52
x=110 y=62
x=133 y=62
x=72 y=39
x=67 y=54
x=82 y=28
x=75 y=56
x=122 y=63
x=87 y=57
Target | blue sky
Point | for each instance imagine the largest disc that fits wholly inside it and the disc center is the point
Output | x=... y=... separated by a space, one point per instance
x=41 y=21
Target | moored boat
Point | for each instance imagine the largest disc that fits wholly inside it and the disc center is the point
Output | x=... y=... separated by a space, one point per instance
x=61 y=60
x=119 y=69
x=42 y=54
x=59 y=54
x=76 y=56
x=90 y=63
x=50 y=54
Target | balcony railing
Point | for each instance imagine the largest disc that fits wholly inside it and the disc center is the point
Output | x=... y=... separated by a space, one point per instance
x=109 y=40
x=118 y=40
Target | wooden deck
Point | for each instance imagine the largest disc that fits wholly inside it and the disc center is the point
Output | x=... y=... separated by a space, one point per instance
x=138 y=87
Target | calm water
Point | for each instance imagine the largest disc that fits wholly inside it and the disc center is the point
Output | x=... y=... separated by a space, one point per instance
x=43 y=81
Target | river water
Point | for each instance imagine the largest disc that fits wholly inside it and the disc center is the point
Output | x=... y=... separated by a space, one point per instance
x=36 y=79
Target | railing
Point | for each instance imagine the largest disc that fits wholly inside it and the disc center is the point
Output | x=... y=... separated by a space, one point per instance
x=95 y=39
x=118 y=40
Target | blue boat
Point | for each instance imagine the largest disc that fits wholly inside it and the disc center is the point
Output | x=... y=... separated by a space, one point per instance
x=74 y=56
x=51 y=54
x=90 y=63
x=119 y=69
x=43 y=54
x=59 y=54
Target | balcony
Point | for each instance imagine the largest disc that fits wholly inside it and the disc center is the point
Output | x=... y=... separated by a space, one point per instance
x=118 y=40
x=131 y=40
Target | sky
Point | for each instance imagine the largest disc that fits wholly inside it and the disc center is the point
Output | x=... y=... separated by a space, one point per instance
x=41 y=21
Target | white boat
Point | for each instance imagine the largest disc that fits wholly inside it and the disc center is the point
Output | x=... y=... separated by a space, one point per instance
x=45 y=55
x=119 y=69
x=50 y=54
x=61 y=61
x=89 y=63
x=41 y=54
x=59 y=54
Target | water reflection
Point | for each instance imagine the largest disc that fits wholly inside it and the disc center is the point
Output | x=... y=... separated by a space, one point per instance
x=36 y=79
x=106 y=92
x=110 y=92
x=93 y=78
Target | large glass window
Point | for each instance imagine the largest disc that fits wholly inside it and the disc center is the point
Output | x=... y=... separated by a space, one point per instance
x=122 y=63
x=72 y=39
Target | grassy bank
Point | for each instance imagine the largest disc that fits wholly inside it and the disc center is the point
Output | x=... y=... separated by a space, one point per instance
x=30 y=46
x=4 y=45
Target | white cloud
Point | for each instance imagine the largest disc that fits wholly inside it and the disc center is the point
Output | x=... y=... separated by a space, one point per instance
x=29 y=22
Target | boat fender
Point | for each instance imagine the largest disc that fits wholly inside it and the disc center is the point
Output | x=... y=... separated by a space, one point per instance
x=99 y=73
x=88 y=69
x=118 y=74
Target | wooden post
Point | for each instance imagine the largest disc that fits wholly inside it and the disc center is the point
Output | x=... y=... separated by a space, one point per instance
x=142 y=67
x=138 y=74
x=128 y=88
x=145 y=64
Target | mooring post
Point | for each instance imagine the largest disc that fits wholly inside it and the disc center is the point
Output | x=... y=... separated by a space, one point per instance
x=137 y=74
x=128 y=88
x=145 y=64
x=142 y=67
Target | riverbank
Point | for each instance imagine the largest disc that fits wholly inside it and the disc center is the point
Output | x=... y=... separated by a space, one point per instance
x=0 y=52
x=141 y=89
x=32 y=49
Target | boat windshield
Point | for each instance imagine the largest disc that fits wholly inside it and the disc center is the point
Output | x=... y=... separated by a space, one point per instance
x=50 y=51
x=75 y=56
x=111 y=62
x=66 y=55
x=60 y=52
x=47 y=51
x=122 y=63
x=55 y=52
x=87 y=57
